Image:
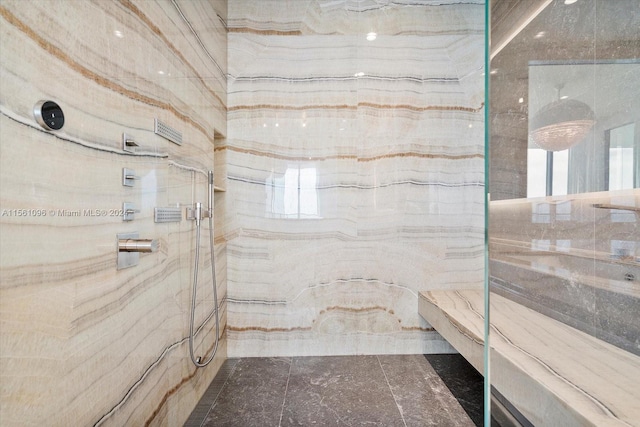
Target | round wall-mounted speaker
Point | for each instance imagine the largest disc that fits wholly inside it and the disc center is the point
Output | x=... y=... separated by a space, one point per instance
x=49 y=115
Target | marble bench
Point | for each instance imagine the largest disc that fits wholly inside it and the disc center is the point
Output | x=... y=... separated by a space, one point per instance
x=552 y=373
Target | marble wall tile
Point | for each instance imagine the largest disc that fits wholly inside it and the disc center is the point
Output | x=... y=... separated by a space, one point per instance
x=82 y=343
x=355 y=172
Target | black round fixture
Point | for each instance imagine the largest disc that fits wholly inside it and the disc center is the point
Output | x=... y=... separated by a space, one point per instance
x=49 y=115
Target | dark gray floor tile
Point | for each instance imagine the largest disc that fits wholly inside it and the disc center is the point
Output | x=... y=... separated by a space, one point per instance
x=420 y=393
x=344 y=390
x=211 y=394
x=465 y=383
x=253 y=394
x=339 y=391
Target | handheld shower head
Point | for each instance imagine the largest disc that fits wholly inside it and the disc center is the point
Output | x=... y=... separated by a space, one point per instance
x=210 y=200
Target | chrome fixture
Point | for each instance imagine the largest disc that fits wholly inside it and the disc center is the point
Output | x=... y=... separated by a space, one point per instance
x=128 y=177
x=128 y=211
x=197 y=214
x=168 y=214
x=129 y=247
x=137 y=245
x=167 y=132
x=210 y=189
x=128 y=143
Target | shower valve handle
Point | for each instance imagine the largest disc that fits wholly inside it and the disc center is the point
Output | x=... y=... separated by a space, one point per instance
x=137 y=245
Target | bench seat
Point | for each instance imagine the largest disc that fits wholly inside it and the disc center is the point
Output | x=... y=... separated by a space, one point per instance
x=552 y=373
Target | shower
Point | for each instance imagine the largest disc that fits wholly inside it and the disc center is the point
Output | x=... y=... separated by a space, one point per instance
x=197 y=214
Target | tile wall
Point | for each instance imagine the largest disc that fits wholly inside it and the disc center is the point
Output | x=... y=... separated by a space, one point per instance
x=355 y=172
x=83 y=343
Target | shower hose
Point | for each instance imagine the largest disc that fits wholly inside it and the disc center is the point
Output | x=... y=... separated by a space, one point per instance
x=198 y=360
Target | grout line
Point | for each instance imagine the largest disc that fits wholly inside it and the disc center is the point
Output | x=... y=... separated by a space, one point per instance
x=284 y=398
x=391 y=390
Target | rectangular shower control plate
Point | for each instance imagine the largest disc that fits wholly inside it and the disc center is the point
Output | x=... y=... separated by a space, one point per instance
x=128 y=143
x=129 y=211
x=128 y=177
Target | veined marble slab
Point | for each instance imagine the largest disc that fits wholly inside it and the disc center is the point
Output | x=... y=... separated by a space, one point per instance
x=552 y=373
x=356 y=172
x=82 y=343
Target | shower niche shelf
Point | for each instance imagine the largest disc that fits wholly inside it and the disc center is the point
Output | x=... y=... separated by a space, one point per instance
x=220 y=163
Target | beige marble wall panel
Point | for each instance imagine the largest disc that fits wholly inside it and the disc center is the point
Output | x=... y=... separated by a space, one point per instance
x=350 y=17
x=356 y=172
x=82 y=343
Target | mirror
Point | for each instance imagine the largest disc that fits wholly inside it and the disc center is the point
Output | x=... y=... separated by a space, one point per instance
x=565 y=103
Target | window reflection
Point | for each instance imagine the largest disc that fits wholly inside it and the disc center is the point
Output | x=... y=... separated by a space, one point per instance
x=621 y=157
x=547 y=172
x=563 y=211
x=541 y=213
x=563 y=245
x=293 y=194
x=536 y=172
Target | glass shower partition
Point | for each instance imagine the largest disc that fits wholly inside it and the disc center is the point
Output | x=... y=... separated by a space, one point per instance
x=564 y=239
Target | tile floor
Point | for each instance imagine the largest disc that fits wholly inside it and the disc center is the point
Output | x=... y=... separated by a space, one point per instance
x=402 y=391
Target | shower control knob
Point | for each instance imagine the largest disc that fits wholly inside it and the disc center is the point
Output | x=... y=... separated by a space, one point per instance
x=137 y=245
x=128 y=211
x=128 y=177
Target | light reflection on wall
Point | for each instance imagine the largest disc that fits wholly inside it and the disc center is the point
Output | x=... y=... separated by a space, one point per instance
x=292 y=194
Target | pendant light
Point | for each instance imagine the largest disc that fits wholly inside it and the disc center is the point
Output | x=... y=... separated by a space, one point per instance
x=561 y=124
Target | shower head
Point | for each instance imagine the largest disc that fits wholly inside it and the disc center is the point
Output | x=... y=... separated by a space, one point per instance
x=210 y=200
